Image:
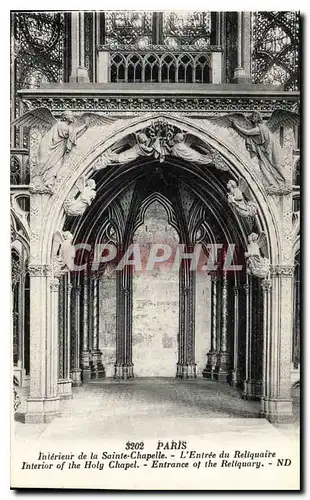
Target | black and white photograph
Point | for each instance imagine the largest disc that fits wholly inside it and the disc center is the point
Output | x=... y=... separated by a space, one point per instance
x=155 y=249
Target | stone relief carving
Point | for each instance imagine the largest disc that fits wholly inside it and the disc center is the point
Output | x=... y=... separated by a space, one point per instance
x=257 y=255
x=39 y=270
x=140 y=146
x=76 y=205
x=201 y=105
x=282 y=270
x=63 y=252
x=236 y=197
x=160 y=140
x=262 y=143
x=58 y=139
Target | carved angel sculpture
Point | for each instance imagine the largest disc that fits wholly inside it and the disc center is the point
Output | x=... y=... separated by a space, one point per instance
x=59 y=140
x=140 y=146
x=261 y=142
x=245 y=208
x=257 y=255
x=181 y=148
x=63 y=252
x=77 y=205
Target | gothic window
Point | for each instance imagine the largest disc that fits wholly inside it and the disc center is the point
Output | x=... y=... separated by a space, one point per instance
x=171 y=29
x=186 y=28
x=39 y=46
x=128 y=28
x=15 y=171
x=275 y=45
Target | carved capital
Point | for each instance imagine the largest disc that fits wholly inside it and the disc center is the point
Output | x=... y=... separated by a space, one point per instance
x=40 y=270
x=266 y=285
x=40 y=189
x=282 y=270
x=54 y=285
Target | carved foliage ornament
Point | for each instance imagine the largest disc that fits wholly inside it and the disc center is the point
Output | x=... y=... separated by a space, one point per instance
x=204 y=105
x=281 y=270
x=39 y=270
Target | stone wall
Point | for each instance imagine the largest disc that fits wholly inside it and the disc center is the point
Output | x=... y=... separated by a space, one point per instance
x=107 y=323
x=155 y=318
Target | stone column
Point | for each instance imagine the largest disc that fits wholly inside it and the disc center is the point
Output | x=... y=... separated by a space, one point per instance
x=123 y=364
x=76 y=372
x=79 y=72
x=86 y=354
x=65 y=382
x=97 y=366
x=242 y=72
x=247 y=389
x=186 y=366
x=209 y=370
x=236 y=336
x=223 y=360
x=42 y=405
x=276 y=401
x=252 y=384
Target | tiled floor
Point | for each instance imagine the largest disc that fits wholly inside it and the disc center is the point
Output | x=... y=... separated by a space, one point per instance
x=149 y=407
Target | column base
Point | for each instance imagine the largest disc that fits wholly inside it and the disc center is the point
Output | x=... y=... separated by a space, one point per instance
x=65 y=388
x=240 y=76
x=76 y=377
x=97 y=368
x=222 y=372
x=277 y=410
x=209 y=370
x=39 y=411
x=123 y=371
x=186 y=370
x=81 y=75
x=86 y=366
x=252 y=390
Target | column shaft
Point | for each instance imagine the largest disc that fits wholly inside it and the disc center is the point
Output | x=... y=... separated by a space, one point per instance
x=186 y=366
x=76 y=371
x=223 y=358
x=97 y=367
x=86 y=355
x=209 y=370
x=123 y=364
x=276 y=401
x=236 y=336
x=43 y=402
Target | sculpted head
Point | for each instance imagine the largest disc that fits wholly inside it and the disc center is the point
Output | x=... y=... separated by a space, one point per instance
x=142 y=138
x=68 y=116
x=256 y=117
x=67 y=235
x=231 y=184
x=179 y=137
x=252 y=237
x=91 y=183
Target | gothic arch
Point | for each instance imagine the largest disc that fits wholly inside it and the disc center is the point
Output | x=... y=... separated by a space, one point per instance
x=91 y=147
